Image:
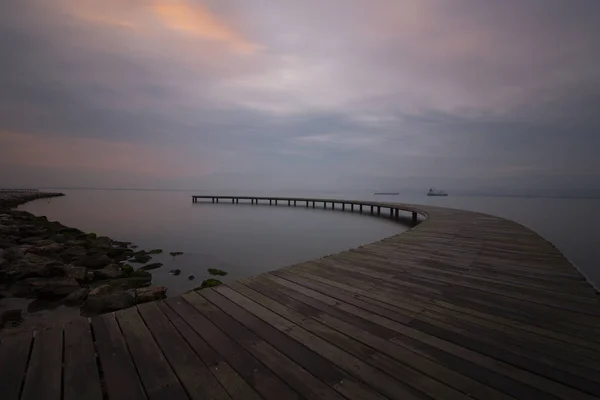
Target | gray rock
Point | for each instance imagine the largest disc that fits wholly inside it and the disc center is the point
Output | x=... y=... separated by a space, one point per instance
x=95 y=261
x=77 y=273
x=150 y=294
x=50 y=249
x=12 y=316
x=108 y=273
x=150 y=266
x=77 y=297
x=59 y=238
x=175 y=272
x=131 y=282
x=31 y=265
x=73 y=253
x=51 y=287
x=113 y=301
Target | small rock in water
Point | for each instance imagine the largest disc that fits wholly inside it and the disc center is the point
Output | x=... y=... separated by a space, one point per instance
x=216 y=271
x=150 y=266
x=176 y=253
x=191 y=277
x=175 y=272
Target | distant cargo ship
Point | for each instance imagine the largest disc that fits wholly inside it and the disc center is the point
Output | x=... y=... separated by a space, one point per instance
x=433 y=192
x=386 y=194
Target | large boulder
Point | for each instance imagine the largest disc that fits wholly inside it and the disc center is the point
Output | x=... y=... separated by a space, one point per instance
x=77 y=297
x=30 y=266
x=111 y=271
x=96 y=261
x=151 y=293
x=106 y=302
x=77 y=273
x=72 y=253
x=48 y=288
x=150 y=266
x=50 y=249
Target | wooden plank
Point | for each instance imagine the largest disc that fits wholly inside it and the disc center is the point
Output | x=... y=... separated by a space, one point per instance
x=193 y=374
x=230 y=380
x=43 y=380
x=120 y=376
x=81 y=379
x=14 y=353
x=352 y=364
x=159 y=380
x=425 y=375
x=257 y=375
x=290 y=370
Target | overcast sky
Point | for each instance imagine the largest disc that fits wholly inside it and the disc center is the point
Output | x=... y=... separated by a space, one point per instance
x=463 y=94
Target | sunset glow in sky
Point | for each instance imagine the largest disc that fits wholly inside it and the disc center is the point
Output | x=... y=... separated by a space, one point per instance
x=336 y=94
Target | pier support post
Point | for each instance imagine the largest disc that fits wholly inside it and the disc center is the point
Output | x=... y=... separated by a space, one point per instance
x=352 y=207
x=371 y=210
x=343 y=206
x=361 y=208
x=306 y=203
x=232 y=200
x=324 y=204
x=332 y=205
x=378 y=211
x=275 y=201
x=237 y=201
x=217 y=199
x=414 y=216
x=270 y=202
x=396 y=213
x=289 y=203
x=294 y=203
x=313 y=204
x=391 y=213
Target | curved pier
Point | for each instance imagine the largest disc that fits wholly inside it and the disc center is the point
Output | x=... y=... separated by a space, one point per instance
x=463 y=306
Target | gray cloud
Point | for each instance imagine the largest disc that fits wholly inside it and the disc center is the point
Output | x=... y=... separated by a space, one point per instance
x=396 y=93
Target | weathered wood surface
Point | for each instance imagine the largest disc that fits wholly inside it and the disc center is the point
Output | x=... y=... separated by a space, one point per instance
x=463 y=306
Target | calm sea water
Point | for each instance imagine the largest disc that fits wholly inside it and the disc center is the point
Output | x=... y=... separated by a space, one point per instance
x=246 y=239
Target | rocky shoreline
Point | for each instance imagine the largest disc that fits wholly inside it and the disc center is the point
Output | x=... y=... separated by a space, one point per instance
x=58 y=265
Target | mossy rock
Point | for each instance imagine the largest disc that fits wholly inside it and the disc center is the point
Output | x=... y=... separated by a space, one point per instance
x=176 y=253
x=210 y=282
x=128 y=269
x=155 y=251
x=91 y=235
x=216 y=271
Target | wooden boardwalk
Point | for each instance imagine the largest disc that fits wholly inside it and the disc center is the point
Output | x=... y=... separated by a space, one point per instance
x=463 y=306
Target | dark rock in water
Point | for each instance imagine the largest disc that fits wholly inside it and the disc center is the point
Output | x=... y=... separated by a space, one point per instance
x=176 y=253
x=150 y=294
x=191 y=277
x=141 y=273
x=209 y=283
x=95 y=262
x=150 y=266
x=155 y=251
x=80 y=274
x=11 y=317
x=106 y=302
x=115 y=252
x=216 y=271
x=141 y=257
x=127 y=269
x=175 y=272
x=49 y=287
x=77 y=297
